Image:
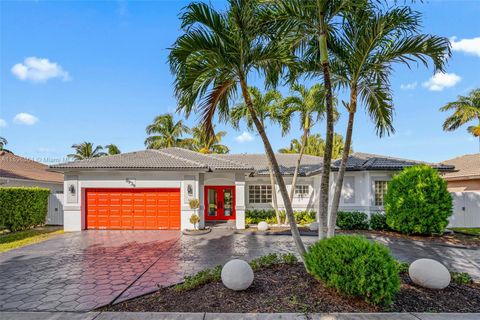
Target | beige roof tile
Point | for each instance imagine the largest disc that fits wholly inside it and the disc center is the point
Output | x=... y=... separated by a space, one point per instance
x=16 y=167
x=465 y=166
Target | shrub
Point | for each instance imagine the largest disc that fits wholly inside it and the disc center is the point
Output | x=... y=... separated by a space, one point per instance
x=355 y=266
x=305 y=217
x=418 y=202
x=378 y=221
x=461 y=277
x=194 y=219
x=268 y=215
x=402 y=267
x=23 y=208
x=255 y=216
x=353 y=220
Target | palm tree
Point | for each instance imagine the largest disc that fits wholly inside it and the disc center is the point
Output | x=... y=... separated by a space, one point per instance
x=315 y=146
x=165 y=132
x=212 y=62
x=267 y=108
x=204 y=143
x=112 y=149
x=465 y=109
x=86 y=150
x=371 y=42
x=308 y=25
x=309 y=103
x=3 y=142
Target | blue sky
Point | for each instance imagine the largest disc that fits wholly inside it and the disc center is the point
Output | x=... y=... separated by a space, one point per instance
x=106 y=77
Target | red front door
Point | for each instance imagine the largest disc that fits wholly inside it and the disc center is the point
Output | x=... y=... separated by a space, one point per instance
x=219 y=202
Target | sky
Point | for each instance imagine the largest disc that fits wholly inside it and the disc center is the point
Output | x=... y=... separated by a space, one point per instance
x=97 y=71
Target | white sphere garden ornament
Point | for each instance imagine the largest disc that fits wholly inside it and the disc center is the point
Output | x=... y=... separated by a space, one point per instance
x=429 y=273
x=237 y=275
x=262 y=226
x=313 y=226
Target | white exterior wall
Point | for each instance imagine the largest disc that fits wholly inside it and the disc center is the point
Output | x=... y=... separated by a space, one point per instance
x=74 y=215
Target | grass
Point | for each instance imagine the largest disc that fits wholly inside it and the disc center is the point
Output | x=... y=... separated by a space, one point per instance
x=471 y=231
x=19 y=239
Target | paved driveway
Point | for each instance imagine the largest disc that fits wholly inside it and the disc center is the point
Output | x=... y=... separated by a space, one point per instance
x=84 y=270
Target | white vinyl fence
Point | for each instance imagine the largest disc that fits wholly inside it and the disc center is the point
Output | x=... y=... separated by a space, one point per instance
x=466 y=210
x=55 y=209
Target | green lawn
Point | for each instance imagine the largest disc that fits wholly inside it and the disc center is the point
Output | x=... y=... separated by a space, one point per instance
x=19 y=239
x=472 y=231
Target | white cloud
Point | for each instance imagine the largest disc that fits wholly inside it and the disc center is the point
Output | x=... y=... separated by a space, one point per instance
x=39 y=70
x=440 y=81
x=25 y=118
x=3 y=123
x=409 y=86
x=244 y=137
x=469 y=46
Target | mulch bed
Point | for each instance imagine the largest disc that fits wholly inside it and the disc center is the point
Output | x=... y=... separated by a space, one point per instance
x=285 y=288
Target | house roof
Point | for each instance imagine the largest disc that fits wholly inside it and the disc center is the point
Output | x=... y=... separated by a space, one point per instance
x=257 y=164
x=16 y=167
x=164 y=159
x=359 y=161
x=466 y=167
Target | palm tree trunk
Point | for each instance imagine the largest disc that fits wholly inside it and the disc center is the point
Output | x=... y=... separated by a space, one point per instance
x=276 y=169
x=274 y=193
x=327 y=156
x=299 y=161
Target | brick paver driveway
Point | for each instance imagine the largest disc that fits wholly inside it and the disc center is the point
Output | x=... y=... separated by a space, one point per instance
x=84 y=270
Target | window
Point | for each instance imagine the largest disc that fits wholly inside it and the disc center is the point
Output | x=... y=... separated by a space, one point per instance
x=260 y=193
x=302 y=190
x=380 y=190
x=348 y=190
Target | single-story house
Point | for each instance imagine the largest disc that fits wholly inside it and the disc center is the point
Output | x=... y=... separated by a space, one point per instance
x=464 y=184
x=16 y=171
x=151 y=189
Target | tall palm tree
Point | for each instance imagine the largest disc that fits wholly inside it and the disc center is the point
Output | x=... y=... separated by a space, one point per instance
x=465 y=109
x=267 y=107
x=371 y=42
x=3 y=142
x=212 y=62
x=204 y=143
x=309 y=103
x=165 y=132
x=308 y=25
x=315 y=146
x=86 y=150
x=112 y=149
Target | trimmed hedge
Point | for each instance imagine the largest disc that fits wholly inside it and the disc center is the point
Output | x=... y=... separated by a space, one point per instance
x=355 y=266
x=268 y=215
x=418 y=202
x=378 y=221
x=352 y=220
x=22 y=208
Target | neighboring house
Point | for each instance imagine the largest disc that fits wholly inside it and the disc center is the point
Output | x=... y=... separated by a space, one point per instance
x=150 y=189
x=464 y=183
x=16 y=171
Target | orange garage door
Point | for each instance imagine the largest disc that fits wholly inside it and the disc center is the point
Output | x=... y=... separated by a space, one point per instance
x=141 y=209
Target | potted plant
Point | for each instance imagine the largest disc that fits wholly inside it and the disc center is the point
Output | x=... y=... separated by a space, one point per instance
x=195 y=219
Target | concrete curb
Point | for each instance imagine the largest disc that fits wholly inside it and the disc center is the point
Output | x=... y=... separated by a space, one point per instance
x=232 y=316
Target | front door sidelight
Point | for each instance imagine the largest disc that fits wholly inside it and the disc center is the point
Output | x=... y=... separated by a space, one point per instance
x=219 y=202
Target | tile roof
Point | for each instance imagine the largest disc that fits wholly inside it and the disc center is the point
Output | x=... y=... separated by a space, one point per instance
x=16 y=167
x=164 y=159
x=287 y=161
x=365 y=161
x=466 y=166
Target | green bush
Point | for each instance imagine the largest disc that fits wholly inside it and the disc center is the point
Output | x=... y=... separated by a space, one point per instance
x=378 y=221
x=402 y=267
x=268 y=215
x=355 y=266
x=461 y=277
x=352 y=220
x=305 y=217
x=23 y=208
x=418 y=202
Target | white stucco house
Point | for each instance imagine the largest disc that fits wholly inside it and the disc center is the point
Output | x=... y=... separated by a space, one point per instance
x=151 y=189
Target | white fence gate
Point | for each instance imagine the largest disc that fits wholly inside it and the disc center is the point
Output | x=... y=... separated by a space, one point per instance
x=55 y=209
x=466 y=210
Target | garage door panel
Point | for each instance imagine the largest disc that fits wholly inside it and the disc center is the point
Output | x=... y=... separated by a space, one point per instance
x=137 y=209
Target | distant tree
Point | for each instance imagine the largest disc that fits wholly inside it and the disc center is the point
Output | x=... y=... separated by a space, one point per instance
x=3 y=142
x=205 y=143
x=112 y=149
x=86 y=150
x=315 y=146
x=165 y=132
x=465 y=109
